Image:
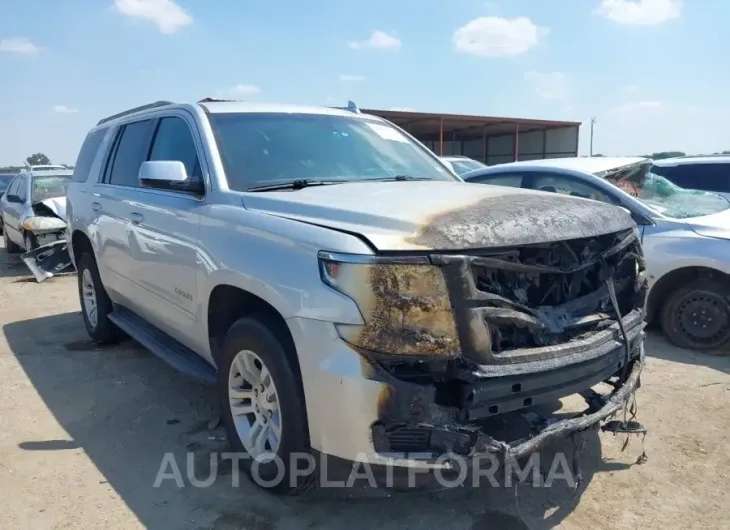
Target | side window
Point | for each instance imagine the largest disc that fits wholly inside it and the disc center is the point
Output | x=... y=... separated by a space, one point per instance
x=174 y=141
x=708 y=177
x=513 y=180
x=567 y=185
x=131 y=151
x=87 y=155
x=22 y=191
x=13 y=188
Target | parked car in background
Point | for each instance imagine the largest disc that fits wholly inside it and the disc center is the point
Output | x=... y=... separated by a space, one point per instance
x=685 y=235
x=706 y=173
x=5 y=180
x=341 y=287
x=33 y=209
x=462 y=164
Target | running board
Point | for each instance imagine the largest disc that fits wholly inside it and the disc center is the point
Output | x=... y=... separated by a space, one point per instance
x=163 y=346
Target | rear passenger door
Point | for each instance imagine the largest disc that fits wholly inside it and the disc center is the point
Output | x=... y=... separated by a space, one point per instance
x=112 y=203
x=164 y=236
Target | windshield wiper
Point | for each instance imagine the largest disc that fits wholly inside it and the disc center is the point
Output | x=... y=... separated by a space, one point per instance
x=297 y=184
x=397 y=178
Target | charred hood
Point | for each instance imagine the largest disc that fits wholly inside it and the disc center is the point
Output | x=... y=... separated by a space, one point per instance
x=446 y=216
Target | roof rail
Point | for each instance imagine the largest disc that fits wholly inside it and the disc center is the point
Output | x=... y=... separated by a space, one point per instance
x=135 y=109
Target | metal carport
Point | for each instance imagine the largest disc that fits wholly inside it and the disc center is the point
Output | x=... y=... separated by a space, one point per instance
x=492 y=140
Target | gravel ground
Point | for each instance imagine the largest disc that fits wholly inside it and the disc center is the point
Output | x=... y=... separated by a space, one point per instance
x=83 y=431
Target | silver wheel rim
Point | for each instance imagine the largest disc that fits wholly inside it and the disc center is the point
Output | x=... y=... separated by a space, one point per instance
x=88 y=295
x=254 y=406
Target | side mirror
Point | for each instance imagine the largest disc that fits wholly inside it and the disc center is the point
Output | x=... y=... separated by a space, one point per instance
x=12 y=198
x=168 y=175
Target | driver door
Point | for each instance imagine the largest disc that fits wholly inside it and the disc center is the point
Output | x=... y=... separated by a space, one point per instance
x=14 y=203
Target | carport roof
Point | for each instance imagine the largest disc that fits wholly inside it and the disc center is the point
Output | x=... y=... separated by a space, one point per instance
x=421 y=123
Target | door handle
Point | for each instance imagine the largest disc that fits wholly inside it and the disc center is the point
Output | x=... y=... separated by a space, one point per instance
x=96 y=206
x=136 y=218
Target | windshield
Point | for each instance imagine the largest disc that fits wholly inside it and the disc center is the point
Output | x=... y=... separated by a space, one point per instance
x=267 y=148
x=50 y=187
x=664 y=196
x=5 y=182
x=462 y=165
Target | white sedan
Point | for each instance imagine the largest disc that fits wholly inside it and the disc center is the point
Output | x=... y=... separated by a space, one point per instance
x=685 y=235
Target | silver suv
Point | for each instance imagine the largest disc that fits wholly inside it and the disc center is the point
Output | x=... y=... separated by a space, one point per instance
x=345 y=292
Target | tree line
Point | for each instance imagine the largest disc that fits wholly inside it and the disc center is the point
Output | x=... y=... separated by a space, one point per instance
x=36 y=159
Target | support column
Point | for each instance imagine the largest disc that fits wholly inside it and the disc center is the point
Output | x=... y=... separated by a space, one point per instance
x=441 y=138
x=517 y=141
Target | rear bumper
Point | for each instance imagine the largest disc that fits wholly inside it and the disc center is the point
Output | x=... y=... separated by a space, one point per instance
x=360 y=411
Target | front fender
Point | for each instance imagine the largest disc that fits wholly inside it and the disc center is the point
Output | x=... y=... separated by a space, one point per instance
x=274 y=259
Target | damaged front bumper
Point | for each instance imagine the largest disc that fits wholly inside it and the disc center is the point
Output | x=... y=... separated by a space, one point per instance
x=48 y=260
x=418 y=421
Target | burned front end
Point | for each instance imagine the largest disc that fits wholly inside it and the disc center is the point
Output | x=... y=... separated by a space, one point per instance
x=459 y=339
x=46 y=227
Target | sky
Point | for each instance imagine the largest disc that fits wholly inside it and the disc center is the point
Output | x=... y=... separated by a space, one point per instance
x=643 y=68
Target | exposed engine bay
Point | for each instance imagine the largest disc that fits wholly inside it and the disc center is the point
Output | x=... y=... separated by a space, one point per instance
x=535 y=324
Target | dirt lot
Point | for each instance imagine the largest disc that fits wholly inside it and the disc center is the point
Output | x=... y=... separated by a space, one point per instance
x=83 y=431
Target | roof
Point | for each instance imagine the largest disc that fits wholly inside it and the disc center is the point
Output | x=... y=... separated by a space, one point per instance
x=418 y=123
x=596 y=164
x=702 y=159
x=51 y=172
x=216 y=106
x=220 y=107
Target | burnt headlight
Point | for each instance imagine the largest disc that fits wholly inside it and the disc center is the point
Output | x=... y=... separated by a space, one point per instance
x=404 y=304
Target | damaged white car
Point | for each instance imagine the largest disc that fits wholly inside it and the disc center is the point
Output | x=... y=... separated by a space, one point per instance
x=33 y=212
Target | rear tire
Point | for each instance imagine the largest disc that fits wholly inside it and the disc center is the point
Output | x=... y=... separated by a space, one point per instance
x=10 y=247
x=697 y=316
x=95 y=303
x=250 y=340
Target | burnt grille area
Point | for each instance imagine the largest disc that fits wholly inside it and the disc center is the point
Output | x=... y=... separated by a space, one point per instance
x=543 y=295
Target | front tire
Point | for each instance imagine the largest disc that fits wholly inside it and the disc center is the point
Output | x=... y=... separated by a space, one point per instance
x=10 y=247
x=262 y=405
x=697 y=316
x=95 y=303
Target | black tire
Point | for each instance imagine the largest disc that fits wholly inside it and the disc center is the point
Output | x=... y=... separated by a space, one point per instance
x=697 y=316
x=10 y=247
x=104 y=332
x=256 y=334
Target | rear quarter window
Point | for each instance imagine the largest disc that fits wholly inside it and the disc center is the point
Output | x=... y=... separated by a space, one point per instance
x=87 y=155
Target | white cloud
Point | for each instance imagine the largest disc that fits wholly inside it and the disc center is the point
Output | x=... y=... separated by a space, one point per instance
x=553 y=86
x=63 y=109
x=640 y=12
x=351 y=78
x=378 y=40
x=168 y=16
x=239 y=91
x=21 y=45
x=497 y=36
x=630 y=89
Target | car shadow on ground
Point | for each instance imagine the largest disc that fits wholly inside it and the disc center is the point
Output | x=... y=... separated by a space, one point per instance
x=659 y=347
x=125 y=409
x=11 y=266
